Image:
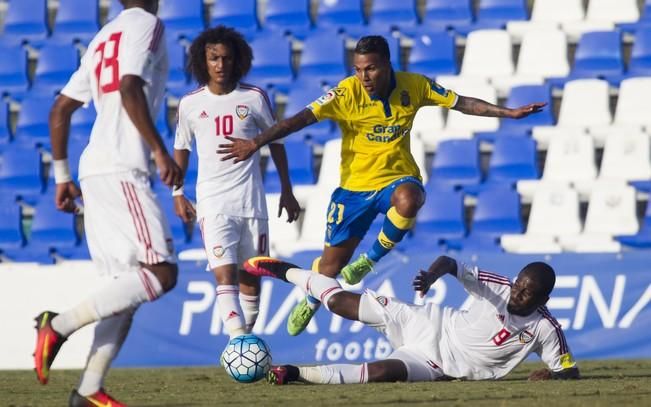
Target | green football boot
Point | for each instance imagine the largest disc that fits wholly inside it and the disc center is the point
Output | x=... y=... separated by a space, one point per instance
x=355 y=271
x=300 y=316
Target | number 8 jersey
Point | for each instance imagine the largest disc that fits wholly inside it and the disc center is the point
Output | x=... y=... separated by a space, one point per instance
x=131 y=44
x=224 y=187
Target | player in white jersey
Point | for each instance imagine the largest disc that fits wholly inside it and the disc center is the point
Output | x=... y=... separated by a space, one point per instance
x=231 y=207
x=123 y=72
x=501 y=327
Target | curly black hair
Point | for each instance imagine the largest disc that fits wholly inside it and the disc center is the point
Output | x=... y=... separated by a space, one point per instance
x=242 y=53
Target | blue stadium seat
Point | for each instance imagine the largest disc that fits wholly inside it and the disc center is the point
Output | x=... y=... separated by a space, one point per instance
x=239 y=14
x=161 y=123
x=301 y=167
x=341 y=14
x=447 y=14
x=81 y=124
x=519 y=96
x=441 y=217
x=51 y=228
x=433 y=54
x=288 y=17
x=181 y=17
x=56 y=63
x=299 y=96
x=32 y=126
x=177 y=80
x=115 y=8
x=640 y=63
x=319 y=66
x=272 y=62
x=76 y=20
x=497 y=212
x=14 y=80
x=599 y=55
x=26 y=21
x=21 y=174
x=642 y=24
x=398 y=15
x=456 y=163
x=5 y=135
x=11 y=230
x=513 y=159
x=641 y=240
x=495 y=14
x=500 y=12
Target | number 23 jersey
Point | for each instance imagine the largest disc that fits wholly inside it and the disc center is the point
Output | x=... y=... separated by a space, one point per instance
x=225 y=187
x=131 y=44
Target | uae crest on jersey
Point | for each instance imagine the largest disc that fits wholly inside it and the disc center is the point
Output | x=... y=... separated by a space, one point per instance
x=525 y=337
x=242 y=111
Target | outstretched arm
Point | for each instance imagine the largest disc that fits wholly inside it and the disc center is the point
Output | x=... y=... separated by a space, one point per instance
x=546 y=374
x=478 y=107
x=241 y=149
x=441 y=266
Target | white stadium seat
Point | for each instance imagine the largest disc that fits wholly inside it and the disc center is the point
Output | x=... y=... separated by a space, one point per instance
x=545 y=15
x=585 y=105
x=554 y=212
x=626 y=157
x=488 y=54
x=427 y=123
x=543 y=54
x=602 y=15
x=611 y=211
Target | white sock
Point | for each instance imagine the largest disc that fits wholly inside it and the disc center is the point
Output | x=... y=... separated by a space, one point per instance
x=229 y=309
x=334 y=374
x=109 y=336
x=314 y=284
x=250 y=305
x=124 y=291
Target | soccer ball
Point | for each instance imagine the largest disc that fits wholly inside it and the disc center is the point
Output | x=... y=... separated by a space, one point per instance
x=246 y=358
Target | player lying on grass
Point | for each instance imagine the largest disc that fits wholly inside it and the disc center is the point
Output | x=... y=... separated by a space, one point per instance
x=503 y=325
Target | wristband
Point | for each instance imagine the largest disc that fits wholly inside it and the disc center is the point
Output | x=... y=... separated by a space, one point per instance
x=61 y=171
x=177 y=190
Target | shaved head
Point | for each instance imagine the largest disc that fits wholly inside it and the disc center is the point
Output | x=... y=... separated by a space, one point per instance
x=543 y=274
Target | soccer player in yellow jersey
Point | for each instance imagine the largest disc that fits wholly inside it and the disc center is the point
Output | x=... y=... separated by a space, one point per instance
x=375 y=109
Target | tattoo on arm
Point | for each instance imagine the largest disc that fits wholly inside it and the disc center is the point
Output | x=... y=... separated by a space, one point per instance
x=478 y=107
x=285 y=127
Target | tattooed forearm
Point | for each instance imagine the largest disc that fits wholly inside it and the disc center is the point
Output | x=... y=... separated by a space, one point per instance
x=285 y=127
x=478 y=107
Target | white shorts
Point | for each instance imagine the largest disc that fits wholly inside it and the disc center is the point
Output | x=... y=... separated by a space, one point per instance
x=123 y=222
x=233 y=239
x=414 y=333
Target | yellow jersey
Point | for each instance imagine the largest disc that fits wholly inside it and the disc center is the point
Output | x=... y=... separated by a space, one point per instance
x=375 y=148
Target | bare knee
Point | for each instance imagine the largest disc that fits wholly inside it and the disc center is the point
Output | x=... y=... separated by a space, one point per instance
x=166 y=273
x=408 y=200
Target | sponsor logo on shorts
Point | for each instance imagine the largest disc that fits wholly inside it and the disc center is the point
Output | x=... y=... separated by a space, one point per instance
x=382 y=300
x=525 y=337
x=242 y=111
x=218 y=251
x=432 y=364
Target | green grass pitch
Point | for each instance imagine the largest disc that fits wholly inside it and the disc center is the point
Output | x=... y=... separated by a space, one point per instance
x=604 y=383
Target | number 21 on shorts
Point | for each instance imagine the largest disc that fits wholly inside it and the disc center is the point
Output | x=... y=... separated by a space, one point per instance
x=335 y=213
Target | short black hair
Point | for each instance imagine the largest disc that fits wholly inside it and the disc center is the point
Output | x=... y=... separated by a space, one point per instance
x=542 y=273
x=373 y=44
x=242 y=53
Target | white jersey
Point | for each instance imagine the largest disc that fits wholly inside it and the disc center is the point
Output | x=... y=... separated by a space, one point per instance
x=486 y=341
x=130 y=44
x=222 y=186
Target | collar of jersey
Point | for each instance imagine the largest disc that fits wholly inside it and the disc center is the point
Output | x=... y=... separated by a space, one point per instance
x=385 y=101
